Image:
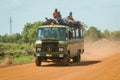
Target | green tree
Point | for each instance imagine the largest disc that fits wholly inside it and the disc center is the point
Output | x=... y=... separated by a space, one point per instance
x=16 y=37
x=6 y=38
x=106 y=34
x=93 y=33
x=29 y=32
x=0 y=38
x=26 y=31
x=115 y=35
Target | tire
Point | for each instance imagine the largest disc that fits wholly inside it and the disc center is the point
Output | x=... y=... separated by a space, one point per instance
x=38 y=61
x=66 y=62
x=77 y=58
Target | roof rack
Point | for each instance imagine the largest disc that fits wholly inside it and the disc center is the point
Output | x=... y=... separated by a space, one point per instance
x=76 y=25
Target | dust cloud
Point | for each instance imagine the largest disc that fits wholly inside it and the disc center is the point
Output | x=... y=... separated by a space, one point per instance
x=100 y=49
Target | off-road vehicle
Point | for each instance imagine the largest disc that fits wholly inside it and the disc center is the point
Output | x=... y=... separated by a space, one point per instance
x=58 y=43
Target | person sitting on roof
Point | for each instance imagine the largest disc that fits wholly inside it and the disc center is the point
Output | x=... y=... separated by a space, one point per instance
x=60 y=20
x=70 y=16
x=56 y=15
x=71 y=19
x=59 y=14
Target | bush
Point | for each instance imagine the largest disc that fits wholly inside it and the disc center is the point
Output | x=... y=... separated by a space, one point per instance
x=2 y=47
x=15 y=53
x=23 y=59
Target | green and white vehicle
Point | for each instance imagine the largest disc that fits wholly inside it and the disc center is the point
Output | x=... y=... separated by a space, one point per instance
x=58 y=43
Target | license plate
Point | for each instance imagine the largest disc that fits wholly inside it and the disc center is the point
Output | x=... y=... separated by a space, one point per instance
x=48 y=55
x=61 y=55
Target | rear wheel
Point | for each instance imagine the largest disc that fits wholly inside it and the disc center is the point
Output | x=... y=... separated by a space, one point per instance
x=77 y=58
x=38 y=61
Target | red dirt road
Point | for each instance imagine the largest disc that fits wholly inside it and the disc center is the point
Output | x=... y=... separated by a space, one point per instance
x=94 y=66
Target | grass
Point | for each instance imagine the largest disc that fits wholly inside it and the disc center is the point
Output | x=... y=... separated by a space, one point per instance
x=16 y=53
x=23 y=59
x=16 y=61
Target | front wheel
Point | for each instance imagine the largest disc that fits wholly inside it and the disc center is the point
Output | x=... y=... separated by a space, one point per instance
x=66 y=62
x=38 y=61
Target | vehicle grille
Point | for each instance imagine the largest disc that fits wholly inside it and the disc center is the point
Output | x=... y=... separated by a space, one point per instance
x=49 y=46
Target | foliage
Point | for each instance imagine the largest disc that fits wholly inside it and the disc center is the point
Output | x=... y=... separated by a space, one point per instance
x=106 y=34
x=93 y=33
x=115 y=35
x=2 y=47
x=20 y=47
x=5 y=38
x=16 y=50
x=17 y=53
x=29 y=32
x=23 y=59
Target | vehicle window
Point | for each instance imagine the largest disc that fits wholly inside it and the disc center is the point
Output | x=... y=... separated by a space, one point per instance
x=52 y=33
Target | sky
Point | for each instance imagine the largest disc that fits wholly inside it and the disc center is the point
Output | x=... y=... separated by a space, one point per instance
x=102 y=14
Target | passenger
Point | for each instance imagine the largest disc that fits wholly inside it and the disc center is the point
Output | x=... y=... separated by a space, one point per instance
x=66 y=20
x=56 y=16
x=60 y=20
x=59 y=15
x=70 y=16
x=70 y=19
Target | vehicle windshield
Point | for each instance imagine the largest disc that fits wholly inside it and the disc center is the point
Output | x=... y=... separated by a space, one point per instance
x=52 y=33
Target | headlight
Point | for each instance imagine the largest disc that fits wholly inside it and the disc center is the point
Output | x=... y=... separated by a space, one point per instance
x=61 y=49
x=38 y=49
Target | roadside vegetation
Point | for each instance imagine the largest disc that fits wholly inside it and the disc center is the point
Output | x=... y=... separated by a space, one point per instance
x=19 y=48
x=15 y=53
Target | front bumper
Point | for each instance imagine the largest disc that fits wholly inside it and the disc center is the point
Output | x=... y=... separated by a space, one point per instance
x=50 y=55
